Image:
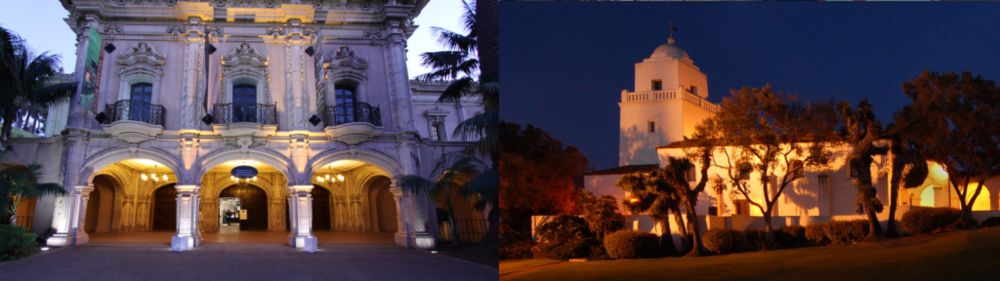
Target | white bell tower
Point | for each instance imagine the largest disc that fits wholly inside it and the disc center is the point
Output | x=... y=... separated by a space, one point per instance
x=668 y=102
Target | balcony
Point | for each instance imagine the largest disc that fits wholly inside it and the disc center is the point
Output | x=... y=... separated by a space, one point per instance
x=133 y=121
x=352 y=123
x=244 y=119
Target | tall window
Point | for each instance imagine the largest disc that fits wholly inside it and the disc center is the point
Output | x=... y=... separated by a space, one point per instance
x=657 y=85
x=345 y=98
x=245 y=103
x=437 y=131
x=694 y=90
x=141 y=95
x=652 y=127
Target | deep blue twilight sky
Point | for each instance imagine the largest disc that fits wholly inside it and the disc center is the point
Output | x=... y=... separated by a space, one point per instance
x=564 y=64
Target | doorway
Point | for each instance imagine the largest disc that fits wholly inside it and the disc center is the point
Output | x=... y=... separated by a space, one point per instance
x=165 y=208
x=251 y=203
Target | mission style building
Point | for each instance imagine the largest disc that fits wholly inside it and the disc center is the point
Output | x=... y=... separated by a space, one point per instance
x=670 y=99
x=310 y=99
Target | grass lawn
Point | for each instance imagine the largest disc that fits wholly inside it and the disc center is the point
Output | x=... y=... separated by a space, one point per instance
x=965 y=255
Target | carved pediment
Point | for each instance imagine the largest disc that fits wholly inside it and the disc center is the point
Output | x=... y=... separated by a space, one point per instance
x=244 y=55
x=142 y=55
x=346 y=64
x=346 y=57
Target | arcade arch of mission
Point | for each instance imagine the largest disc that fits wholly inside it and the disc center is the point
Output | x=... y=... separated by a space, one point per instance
x=114 y=198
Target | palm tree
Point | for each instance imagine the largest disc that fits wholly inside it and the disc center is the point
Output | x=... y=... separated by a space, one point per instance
x=18 y=183
x=461 y=173
x=460 y=64
x=26 y=81
x=653 y=194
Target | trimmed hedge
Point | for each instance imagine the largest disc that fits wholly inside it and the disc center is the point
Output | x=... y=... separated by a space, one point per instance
x=627 y=244
x=756 y=240
x=565 y=237
x=991 y=222
x=15 y=242
x=722 y=241
x=792 y=236
x=837 y=232
x=920 y=220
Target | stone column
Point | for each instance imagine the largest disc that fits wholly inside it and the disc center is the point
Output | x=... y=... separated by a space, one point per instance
x=68 y=228
x=300 y=200
x=403 y=231
x=188 y=235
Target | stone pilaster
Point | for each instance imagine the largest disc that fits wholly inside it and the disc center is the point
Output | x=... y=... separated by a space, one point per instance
x=399 y=78
x=300 y=203
x=192 y=79
x=188 y=235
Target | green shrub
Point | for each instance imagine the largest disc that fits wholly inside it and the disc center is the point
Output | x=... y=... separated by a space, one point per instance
x=565 y=237
x=15 y=242
x=756 y=240
x=931 y=220
x=515 y=250
x=816 y=233
x=846 y=232
x=792 y=236
x=627 y=244
x=722 y=241
x=991 y=222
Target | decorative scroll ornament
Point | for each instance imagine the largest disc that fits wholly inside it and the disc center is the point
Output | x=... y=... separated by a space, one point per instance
x=144 y=56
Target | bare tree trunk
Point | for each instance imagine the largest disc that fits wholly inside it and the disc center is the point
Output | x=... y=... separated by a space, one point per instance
x=685 y=240
x=667 y=239
x=874 y=228
x=890 y=224
x=692 y=216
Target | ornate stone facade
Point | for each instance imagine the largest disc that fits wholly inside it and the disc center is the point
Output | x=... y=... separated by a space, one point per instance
x=286 y=77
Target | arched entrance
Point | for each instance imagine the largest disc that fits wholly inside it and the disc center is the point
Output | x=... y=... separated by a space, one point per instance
x=382 y=206
x=252 y=207
x=361 y=206
x=101 y=205
x=165 y=208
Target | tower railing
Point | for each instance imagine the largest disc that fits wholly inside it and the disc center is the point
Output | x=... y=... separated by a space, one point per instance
x=647 y=96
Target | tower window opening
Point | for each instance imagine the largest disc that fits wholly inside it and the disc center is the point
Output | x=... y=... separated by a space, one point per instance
x=657 y=85
x=652 y=127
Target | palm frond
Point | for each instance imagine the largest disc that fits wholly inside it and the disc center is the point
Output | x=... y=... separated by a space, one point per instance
x=51 y=94
x=484 y=127
x=486 y=185
x=456 y=90
x=454 y=40
x=415 y=184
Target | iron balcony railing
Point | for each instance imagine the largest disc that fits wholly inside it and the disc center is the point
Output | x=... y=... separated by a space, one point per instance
x=352 y=112
x=134 y=110
x=229 y=113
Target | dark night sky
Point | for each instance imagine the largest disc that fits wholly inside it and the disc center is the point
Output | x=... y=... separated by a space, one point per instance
x=564 y=64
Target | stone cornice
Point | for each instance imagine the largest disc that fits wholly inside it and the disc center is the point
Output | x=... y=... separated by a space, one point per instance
x=315 y=13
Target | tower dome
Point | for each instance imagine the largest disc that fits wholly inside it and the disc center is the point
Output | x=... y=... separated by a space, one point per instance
x=670 y=50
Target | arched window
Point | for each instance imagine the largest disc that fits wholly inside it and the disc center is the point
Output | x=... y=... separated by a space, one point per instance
x=245 y=103
x=345 y=103
x=141 y=95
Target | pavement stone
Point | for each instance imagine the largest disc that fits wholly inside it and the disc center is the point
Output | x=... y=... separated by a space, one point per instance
x=234 y=261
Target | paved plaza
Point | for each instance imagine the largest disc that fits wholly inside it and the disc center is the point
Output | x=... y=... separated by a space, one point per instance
x=131 y=258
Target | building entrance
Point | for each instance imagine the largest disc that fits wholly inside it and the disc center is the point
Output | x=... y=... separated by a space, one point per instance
x=243 y=206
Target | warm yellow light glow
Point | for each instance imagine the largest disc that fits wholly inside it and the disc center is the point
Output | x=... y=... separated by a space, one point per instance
x=633 y=200
x=164 y=177
x=982 y=201
x=144 y=177
x=340 y=177
x=938 y=172
x=319 y=179
x=927 y=197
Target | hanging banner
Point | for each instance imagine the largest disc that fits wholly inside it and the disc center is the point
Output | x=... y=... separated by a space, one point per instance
x=92 y=70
